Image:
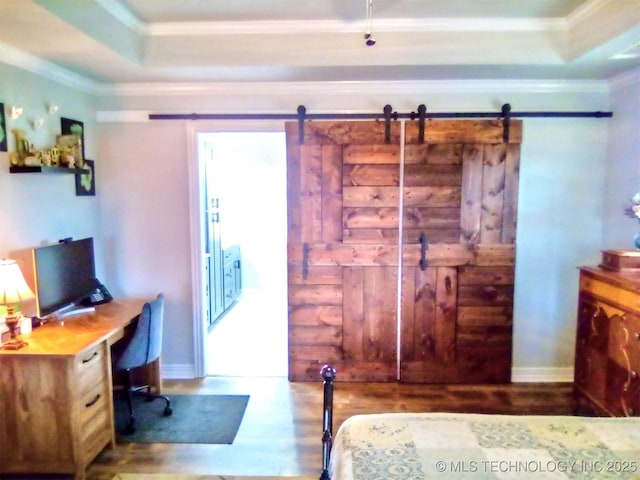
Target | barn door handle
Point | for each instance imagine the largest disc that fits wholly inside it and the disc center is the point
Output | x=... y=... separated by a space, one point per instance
x=305 y=261
x=423 y=251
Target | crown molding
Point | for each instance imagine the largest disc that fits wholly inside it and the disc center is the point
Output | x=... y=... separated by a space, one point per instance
x=21 y=59
x=625 y=80
x=18 y=58
x=584 y=12
x=288 y=27
x=363 y=87
x=124 y=15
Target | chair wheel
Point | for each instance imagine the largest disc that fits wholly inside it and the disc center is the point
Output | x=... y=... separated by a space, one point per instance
x=130 y=429
x=168 y=411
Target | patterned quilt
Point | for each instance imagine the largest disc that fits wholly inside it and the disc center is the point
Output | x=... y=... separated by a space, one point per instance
x=441 y=446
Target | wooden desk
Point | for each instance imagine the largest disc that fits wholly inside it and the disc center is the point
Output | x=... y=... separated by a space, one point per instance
x=56 y=401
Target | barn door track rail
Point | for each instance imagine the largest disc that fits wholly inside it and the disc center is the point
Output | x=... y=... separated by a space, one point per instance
x=387 y=116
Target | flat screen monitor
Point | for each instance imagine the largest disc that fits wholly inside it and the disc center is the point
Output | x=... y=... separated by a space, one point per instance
x=64 y=274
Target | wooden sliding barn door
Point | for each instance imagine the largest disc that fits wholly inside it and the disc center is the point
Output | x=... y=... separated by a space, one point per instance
x=343 y=249
x=460 y=197
x=457 y=192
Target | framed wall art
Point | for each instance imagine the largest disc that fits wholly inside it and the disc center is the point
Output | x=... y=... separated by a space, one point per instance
x=3 y=130
x=69 y=126
x=86 y=182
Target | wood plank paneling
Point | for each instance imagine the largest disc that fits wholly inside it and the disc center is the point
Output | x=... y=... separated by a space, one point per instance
x=315 y=315
x=353 y=314
x=310 y=192
x=368 y=154
x=471 y=207
x=331 y=193
x=444 y=331
x=315 y=294
x=492 y=193
x=364 y=196
x=432 y=196
x=380 y=319
x=438 y=175
x=433 y=153
x=370 y=217
x=370 y=174
x=324 y=275
x=460 y=189
x=463 y=131
x=511 y=185
x=370 y=235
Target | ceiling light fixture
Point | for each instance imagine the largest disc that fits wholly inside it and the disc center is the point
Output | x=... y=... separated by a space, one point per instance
x=369 y=41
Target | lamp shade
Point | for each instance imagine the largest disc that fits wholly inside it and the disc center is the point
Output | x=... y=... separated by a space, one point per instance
x=13 y=287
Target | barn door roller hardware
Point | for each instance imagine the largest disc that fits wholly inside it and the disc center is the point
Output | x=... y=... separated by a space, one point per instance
x=506 y=117
x=387 y=122
x=422 y=110
x=301 y=113
x=387 y=116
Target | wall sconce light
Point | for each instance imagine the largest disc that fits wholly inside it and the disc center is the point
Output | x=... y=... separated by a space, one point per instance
x=37 y=123
x=15 y=112
x=52 y=108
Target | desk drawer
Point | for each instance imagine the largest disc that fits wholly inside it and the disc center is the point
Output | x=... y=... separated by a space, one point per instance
x=95 y=420
x=91 y=368
x=612 y=293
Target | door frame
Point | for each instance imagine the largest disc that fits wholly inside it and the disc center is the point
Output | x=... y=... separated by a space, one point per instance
x=195 y=171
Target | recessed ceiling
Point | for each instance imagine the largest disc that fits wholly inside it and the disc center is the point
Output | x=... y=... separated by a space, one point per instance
x=111 y=42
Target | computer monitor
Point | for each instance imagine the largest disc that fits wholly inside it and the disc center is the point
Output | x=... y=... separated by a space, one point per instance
x=64 y=274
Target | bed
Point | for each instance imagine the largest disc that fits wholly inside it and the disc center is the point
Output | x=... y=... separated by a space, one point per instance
x=417 y=446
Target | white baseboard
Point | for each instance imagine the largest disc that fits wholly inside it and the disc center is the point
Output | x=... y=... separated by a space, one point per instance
x=542 y=374
x=178 y=371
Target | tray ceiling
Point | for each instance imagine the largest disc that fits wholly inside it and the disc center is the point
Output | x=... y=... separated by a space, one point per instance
x=110 y=42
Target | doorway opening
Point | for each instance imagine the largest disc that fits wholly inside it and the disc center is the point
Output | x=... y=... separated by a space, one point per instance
x=245 y=176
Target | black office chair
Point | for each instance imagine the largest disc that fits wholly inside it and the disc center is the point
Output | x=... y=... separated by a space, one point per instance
x=143 y=347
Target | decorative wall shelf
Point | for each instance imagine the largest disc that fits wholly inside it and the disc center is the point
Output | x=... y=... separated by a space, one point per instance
x=44 y=169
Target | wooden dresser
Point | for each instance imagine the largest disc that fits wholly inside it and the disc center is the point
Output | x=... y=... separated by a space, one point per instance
x=608 y=339
x=56 y=409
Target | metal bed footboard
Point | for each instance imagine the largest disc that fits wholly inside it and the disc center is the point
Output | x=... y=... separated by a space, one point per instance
x=328 y=374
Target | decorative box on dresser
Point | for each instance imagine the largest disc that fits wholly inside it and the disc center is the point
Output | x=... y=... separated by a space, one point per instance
x=608 y=335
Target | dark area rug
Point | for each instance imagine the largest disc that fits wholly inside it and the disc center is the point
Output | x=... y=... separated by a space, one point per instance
x=212 y=419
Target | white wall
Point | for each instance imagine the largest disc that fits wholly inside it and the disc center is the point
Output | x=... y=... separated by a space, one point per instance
x=563 y=170
x=144 y=202
x=623 y=163
x=576 y=175
x=38 y=209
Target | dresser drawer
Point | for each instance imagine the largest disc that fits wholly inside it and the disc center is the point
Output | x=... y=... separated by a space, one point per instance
x=625 y=298
x=624 y=342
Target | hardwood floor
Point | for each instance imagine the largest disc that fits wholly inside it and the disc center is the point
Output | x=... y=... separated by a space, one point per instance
x=282 y=428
